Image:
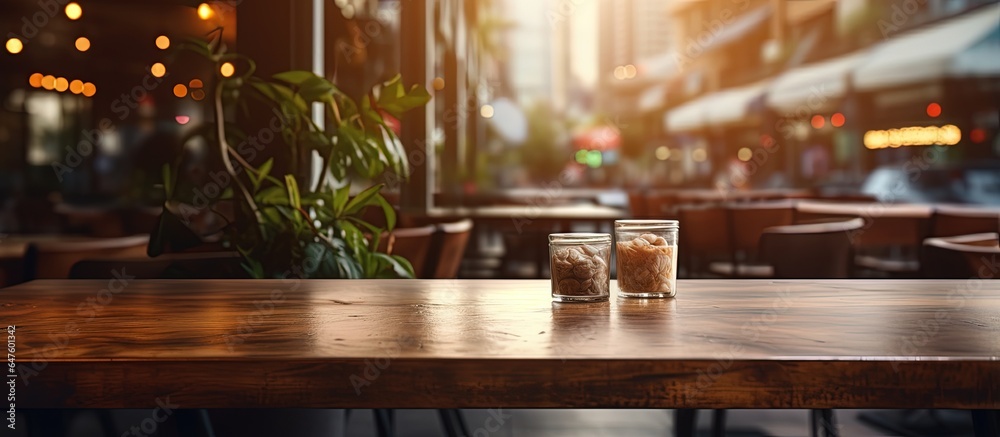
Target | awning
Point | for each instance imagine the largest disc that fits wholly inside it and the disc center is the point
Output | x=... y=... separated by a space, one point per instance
x=721 y=108
x=688 y=116
x=816 y=87
x=743 y=24
x=733 y=105
x=652 y=98
x=936 y=52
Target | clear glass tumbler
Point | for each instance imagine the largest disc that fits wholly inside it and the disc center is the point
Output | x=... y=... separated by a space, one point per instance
x=646 y=256
x=581 y=267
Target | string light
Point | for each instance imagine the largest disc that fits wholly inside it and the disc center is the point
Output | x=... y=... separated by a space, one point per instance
x=89 y=89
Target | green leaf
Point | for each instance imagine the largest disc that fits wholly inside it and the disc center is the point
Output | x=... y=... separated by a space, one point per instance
x=295 y=77
x=395 y=99
x=388 y=210
x=399 y=265
x=353 y=236
x=275 y=195
x=293 y=191
x=340 y=197
x=168 y=184
x=362 y=200
x=316 y=89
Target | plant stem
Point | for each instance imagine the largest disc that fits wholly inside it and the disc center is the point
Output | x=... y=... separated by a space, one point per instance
x=224 y=149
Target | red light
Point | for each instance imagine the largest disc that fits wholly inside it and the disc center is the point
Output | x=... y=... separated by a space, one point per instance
x=818 y=121
x=182 y=119
x=933 y=110
x=977 y=135
x=837 y=119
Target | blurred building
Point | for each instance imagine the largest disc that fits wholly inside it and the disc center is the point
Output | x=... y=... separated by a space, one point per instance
x=773 y=93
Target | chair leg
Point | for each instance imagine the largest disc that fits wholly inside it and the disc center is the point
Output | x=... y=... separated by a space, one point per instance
x=454 y=424
x=719 y=423
x=194 y=423
x=384 y=422
x=822 y=423
x=45 y=423
x=684 y=422
x=986 y=423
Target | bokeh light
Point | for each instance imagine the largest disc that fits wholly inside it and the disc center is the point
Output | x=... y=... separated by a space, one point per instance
x=35 y=80
x=205 y=11
x=49 y=82
x=818 y=121
x=73 y=11
x=744 y=154
x=180 y=90
x=89 y=89
x=663 y=153
x=14 y=46
x=699 y=155
x=158 y=70
x=227 y=69
x=438 y=83
x=933 y=110
x=162 y=42
x=76 y=86
x=61 y=84
x=486 y=111
x=82 y=44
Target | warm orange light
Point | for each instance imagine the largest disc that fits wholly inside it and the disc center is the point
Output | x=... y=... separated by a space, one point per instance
x=82 y=44
x=933 y=110
x=35 y=80
x=76 y=87
x=89 y=89
x=74 y=11
x=227 y=69
x=180 y=90
x=158 y=70
x=818 y=121
x=162 y=42
x=438 y=83
x=947 y=135
x=62 y=84
x=837 y=119
x=195 y=83
x=49 y=82
x=14 y=45
x=205 y=11
x=198 y=94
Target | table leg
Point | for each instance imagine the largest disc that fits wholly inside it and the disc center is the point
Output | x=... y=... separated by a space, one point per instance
x=384 y=422
x=684 y=422
x=822 y=423
x=194 y=423
x=454 y=425
x=986 y=423
x=719 y=423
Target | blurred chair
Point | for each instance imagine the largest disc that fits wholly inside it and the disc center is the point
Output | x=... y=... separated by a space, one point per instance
x=414 y=244
x=810 y=251
x=637 y=204
x=448 y=247
x=747 y=221
x=704 y=236
x=950 y=221
x=961 y=257
x=200 y=265
x=660 y=205
x=54 y=259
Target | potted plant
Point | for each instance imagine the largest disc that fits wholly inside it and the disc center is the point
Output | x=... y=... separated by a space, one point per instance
x=282 y=224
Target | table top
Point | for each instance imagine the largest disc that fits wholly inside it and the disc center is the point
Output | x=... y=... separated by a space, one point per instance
x=873 y=210
x=488 y=343
x=531 y=212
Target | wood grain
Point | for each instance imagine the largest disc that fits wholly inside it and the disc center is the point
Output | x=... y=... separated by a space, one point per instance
x=460 y=343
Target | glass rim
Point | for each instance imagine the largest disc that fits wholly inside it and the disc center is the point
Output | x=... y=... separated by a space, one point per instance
x=579 y=237
x=646 y=224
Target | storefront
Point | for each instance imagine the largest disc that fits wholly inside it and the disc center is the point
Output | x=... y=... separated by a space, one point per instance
x=937 y=86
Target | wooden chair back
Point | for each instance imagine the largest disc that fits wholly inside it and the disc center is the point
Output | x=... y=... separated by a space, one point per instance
x=414 y=244
x=749 y=220
x=949 y=221
x=199 y=265
x=55 y=259
x=810 y=251
x=450 y=240
x=961 y=257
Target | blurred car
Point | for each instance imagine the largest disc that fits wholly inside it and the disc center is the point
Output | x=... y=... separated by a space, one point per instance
x=974 y=184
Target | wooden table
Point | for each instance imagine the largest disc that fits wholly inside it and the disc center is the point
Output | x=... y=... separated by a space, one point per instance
x=484 y=344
